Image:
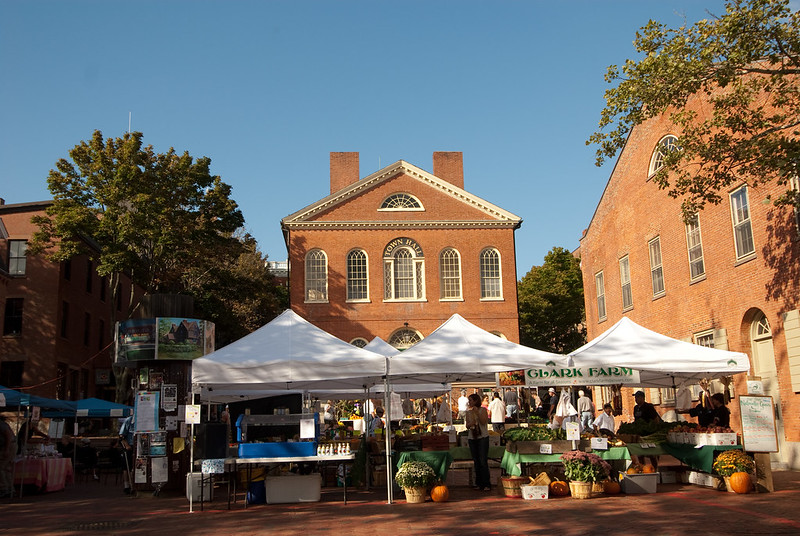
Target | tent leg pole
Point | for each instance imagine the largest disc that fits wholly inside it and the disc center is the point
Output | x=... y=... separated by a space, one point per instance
x=387 y=434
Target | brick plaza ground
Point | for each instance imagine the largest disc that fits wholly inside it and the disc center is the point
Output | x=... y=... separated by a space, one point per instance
x=101 y=508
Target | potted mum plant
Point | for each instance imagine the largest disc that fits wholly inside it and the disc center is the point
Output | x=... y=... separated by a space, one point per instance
x=735 y=461
x=415 y=478
x=582 y=469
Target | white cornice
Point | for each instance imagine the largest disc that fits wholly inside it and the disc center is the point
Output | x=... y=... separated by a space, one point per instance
x=471 y=224
x=392 y=170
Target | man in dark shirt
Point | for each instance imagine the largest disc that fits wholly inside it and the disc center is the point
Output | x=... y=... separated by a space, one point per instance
x=644 y=411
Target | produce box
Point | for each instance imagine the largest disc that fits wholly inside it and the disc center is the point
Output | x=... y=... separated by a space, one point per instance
x=534 y=493
x=722 y=439
x=436 y=442
x=639 y=483
x=534 y=447
x=277 y=450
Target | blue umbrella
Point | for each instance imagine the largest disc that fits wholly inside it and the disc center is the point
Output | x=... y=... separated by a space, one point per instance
x=93 y=407
x=15 y=398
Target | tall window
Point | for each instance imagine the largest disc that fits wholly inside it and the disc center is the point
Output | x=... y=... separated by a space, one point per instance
x=89 y=278
x=694 y=244
x=12 y=319
x=101 y=335
x=656 y=269
x=450 y=274
x=16 y=257
x=491 y=284
x=664 y=147
x=794 y=184
x=316 y=276
x=357 y=280
x=64 y=319
x=403 y=271
x=742 y=229
x=625 y=281
x=11 y=373
x=87 y=322
x=600 y=288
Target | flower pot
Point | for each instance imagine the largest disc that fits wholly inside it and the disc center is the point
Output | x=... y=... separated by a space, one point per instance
x=416 y=495
x=580 y=490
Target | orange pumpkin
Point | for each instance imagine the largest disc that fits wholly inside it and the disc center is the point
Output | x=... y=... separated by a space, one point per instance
x=559 y=488
x=634 y=470
x=611 y=487
x=648 y=468
x=740 y=482
x=440 y=493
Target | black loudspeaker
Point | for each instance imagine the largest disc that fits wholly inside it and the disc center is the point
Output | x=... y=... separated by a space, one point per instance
x=212 y=440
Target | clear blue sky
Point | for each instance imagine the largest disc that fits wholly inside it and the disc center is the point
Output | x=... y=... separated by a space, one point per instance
x=268 y=89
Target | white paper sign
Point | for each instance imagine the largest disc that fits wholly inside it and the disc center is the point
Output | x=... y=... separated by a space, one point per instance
x=755 y=387
x=573 y=431
x=545 y=448
x=56 y=429
x=193 y=413
x=159 y=469
x=307 y=429
x=115 y=413
x=599 y=443
x=140 y=471
x=171 y=422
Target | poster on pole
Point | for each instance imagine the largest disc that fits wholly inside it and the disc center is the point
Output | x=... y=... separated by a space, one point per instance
x=146 y=409
x=759 y=433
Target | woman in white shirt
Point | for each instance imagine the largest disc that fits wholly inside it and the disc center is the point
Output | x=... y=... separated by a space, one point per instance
x=497 y=413
x=604 y=423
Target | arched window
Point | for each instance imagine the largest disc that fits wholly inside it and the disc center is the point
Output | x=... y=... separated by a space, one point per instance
x=666 y=145
x=404 y=271
x=450 y=274
x=404 y=338
x=359 y=342
x=401 y=201
x=357 y=277
x=316 y=276
x=491 y=284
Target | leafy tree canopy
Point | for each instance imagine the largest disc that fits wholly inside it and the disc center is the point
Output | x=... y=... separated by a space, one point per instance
x=745 y=63
x=551 y=308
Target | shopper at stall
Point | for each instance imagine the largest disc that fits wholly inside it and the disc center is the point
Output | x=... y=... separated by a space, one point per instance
x=585 y=410
x=477 y=422
x=86 y=458
x=444 y=414
x=375 y=422
x=329 y=414
x=644 y=411
x=497 y=413
x=66 y=446
x=720 y=414
x=511 y=400
x=552 y=402
x=8 y=449
x=463 y=404
x=604 y=424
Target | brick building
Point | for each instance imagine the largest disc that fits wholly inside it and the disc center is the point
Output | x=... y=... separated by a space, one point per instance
x=728 y=279
x=398 y=252
x=55 y=316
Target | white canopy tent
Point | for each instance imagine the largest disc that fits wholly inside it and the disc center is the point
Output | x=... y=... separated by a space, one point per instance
x=420 y=390
x=379 y=346
x=661 y=361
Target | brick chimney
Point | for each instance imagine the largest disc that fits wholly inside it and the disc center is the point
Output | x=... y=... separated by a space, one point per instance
x=449 y=165
x=344 y=170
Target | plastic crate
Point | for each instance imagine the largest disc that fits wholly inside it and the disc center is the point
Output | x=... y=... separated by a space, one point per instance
x=640 y=483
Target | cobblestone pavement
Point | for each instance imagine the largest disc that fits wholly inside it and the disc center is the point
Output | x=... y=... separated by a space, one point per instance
x=98 y=508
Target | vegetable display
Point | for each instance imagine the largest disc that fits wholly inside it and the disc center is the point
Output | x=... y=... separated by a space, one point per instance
x=535 y=433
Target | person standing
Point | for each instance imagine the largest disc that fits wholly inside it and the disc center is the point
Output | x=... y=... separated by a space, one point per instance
x=604 y=423
x=126 y=438
x=585 y=410
x=644 y=411
x=497 y=413
x=463 y=404
x=720 y=415
x=477 y=422
x=511 y=400
x=552 y=400
x=8 y=449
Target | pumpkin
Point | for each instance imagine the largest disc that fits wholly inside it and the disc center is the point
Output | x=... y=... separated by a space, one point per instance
x=611 y=487
x=740 y=482
x=440 y=493
x=559 y=488
x=634 y=470
x=648 y=468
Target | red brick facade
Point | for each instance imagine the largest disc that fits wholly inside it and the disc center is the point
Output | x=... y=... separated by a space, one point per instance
x=61 y=348
x=449 y=217
x=725 y=301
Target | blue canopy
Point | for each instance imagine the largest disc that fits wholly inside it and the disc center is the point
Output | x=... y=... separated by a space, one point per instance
x=92 y=407
x=15 y=398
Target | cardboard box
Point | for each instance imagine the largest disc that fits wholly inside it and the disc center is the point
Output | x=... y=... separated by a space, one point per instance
x=293 y=489
x=640 y=483
x=535 y=493
x=722 y=439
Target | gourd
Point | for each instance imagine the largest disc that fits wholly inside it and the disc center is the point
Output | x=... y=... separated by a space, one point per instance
x=440 y=493
x=559 y=488
x=611 y=487
x=648 y=468
x=740 y=482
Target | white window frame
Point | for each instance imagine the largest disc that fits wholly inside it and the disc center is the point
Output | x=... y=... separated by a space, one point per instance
x=625 y=283
x=359 y=342
x=401 y=202
x=491 y=283
x=355 y=280
x=17 y=257
x=390 y=275
x=742 y=225
x=694 y=245
x=666 y=144
x=450 y=275
x=794 y=184
x=316 y=277
x=600 y=289
x=656 y=267
x=404 y=338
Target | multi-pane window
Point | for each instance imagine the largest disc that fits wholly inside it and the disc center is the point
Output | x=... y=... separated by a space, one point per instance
x=89 y=276
x=625 y=282
x=656 y=269
x=600 y=288
x=64 y=319
x=664 y=147
x=694 y=245
x=450 y=274
x=357 y=279
x=11 y=373
x=404 y=338
x=12 y=319
x=401 y=201
x=403 y=275
x=359 y=342
x=316 y=276
x=491 y=283
x=705 y=338
x=87 y=321
x=742 y=228
x=794 y=184
x=16 y=257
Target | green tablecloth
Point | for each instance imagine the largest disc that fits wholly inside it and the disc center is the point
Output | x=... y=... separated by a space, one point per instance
x=439 y=460
x=511 y=461
x=463 y=453
x=701 y=458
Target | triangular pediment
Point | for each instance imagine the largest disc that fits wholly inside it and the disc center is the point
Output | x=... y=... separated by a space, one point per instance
x=485 y=213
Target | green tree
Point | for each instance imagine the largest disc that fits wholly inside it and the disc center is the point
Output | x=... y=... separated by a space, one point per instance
x=551 y=308
x=745 y=63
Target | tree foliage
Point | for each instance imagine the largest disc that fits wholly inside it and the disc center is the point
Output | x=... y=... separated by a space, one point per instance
x=551 y=308
x=745 y=64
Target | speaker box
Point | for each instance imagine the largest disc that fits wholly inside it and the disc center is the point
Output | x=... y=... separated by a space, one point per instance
x=212 y=440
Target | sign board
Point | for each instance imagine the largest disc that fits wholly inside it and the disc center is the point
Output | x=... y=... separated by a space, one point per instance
x=554 y=375
x=193 y=413
x=758 y=424
x=755 y=387
x=573 y=431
